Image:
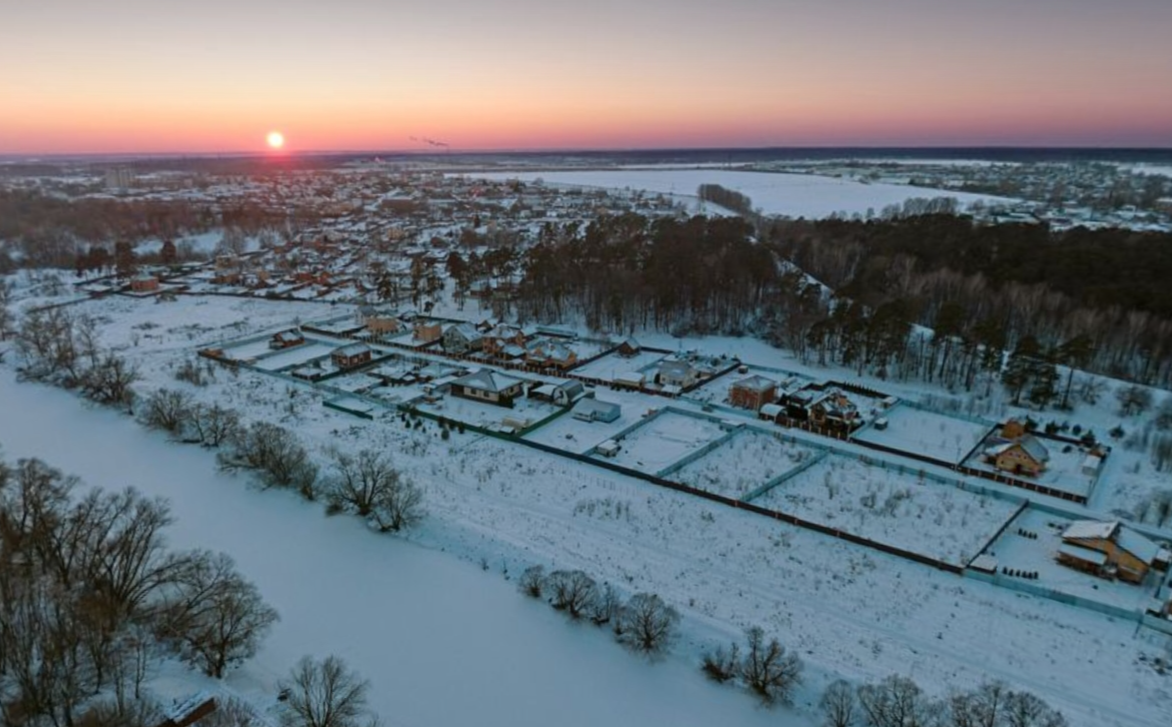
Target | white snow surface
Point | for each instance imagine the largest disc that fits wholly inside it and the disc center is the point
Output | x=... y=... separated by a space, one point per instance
x=792 y=195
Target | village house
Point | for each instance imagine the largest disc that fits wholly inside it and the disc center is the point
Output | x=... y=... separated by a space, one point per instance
x=596 y=410
x=286 y=339
x=551 y=354
x=675 y=373
x=828 y=409
x=428 y=331
x=1017 y=451
x=563 y=394
x=190 y=711
x=1107 y=549
x=502 y=336
x=462 y=338
x=144 y=283
x=377 y=322
x=348 y=357
x=488 y=386
x=752 y=393
x=628 y=347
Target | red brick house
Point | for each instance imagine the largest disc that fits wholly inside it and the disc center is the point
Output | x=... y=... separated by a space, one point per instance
x=351 y=356
x=752 y=393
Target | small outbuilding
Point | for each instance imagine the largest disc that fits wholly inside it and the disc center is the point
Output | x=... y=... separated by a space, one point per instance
x=596 y=410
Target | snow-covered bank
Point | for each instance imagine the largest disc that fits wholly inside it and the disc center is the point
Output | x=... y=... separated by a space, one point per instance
x=442 y=642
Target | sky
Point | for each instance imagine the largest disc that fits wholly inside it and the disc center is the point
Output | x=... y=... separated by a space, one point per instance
x=155 y=76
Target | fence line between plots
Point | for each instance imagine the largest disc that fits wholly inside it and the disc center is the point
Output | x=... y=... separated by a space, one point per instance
x=785 y=477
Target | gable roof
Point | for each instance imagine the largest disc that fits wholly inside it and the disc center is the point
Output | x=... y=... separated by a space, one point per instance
x=1137 y=545
x=1090 y=530
x=487 y=380
x=354 y=349
x=1034 y=448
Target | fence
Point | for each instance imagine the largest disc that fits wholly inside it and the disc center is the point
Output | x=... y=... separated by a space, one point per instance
x=785 y=476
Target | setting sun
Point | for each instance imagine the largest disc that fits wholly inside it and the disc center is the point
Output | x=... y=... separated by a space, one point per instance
x=276 y=139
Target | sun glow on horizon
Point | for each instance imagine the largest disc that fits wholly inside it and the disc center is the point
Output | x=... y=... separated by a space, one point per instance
x=275 y=139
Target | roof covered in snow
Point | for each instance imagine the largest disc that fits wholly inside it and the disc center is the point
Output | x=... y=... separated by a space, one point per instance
x=1137 y=545
x=487 y=380
x=1090 y=530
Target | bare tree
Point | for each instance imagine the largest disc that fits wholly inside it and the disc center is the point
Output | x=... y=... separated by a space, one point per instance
x=896 y=701
x=219 y=617
x=1023 y=709
x=839 y=708
x=214 y=425
x=276 y=454
x=326 y=694
x=646 y=623
x=571 y=591
x=168 y=410
x=360 y=481
x=1133 y=400
x=768 y=670
x=606 y=605
x=399 y=507
x=108 y=380
x=532 y=581
x=720 y=665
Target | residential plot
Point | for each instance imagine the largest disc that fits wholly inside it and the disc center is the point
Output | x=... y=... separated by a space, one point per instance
x=1020 y=552
x=580 y=437
x=613 y=366
x=296 y=356
x=929 y=434
x=747 y=461
x=1063 y=472
x=524 y=413
x=892 y=506
x=666 y=438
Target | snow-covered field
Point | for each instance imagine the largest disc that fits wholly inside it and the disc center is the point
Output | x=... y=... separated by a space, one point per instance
x=417 y=621
x=926 y=433
x=793 y=195
x=665 y=439
x=892 y=507
x=747 y=461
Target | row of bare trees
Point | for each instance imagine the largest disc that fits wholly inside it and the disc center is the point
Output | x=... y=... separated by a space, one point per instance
x=58 y=347
x=897 y=701
x=643 y=623
x=91 y=597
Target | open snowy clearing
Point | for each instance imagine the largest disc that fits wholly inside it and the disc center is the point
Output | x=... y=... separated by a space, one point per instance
x=792 y=195
x=892 y=507
x=747 y=461
x=929 y=434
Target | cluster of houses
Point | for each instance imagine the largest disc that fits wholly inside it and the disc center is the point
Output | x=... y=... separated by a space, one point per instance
x=1110 y=550
x=823 y=407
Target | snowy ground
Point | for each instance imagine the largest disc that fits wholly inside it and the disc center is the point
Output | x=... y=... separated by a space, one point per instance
x=793 y=195
x=892 y=507
x=925 y=433
x=665 y=439
x=747 y=461
x=490 y=416
x=848 y=610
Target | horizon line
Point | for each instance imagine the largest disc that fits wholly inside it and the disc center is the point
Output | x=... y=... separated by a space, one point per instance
x=286 y=154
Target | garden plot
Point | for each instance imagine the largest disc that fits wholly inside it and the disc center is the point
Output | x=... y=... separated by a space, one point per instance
x=929 y=434
x=579 y=437
x=666 y=438
x=296 y=356
x=1038 y=555
x=747 y=461
x=891 y=507
x=612 y=366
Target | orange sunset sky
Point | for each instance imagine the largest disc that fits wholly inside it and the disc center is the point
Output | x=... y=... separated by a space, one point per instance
x=159 y=76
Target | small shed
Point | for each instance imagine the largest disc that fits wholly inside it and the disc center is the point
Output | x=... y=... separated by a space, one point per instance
x=595 y=410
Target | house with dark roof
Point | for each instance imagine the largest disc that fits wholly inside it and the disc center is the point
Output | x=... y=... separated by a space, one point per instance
x=488 y=386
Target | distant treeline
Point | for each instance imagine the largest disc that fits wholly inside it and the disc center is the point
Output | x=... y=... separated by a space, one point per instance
x=730 y=199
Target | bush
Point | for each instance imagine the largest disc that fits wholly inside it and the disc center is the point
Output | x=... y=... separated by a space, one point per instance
x=532 y=580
